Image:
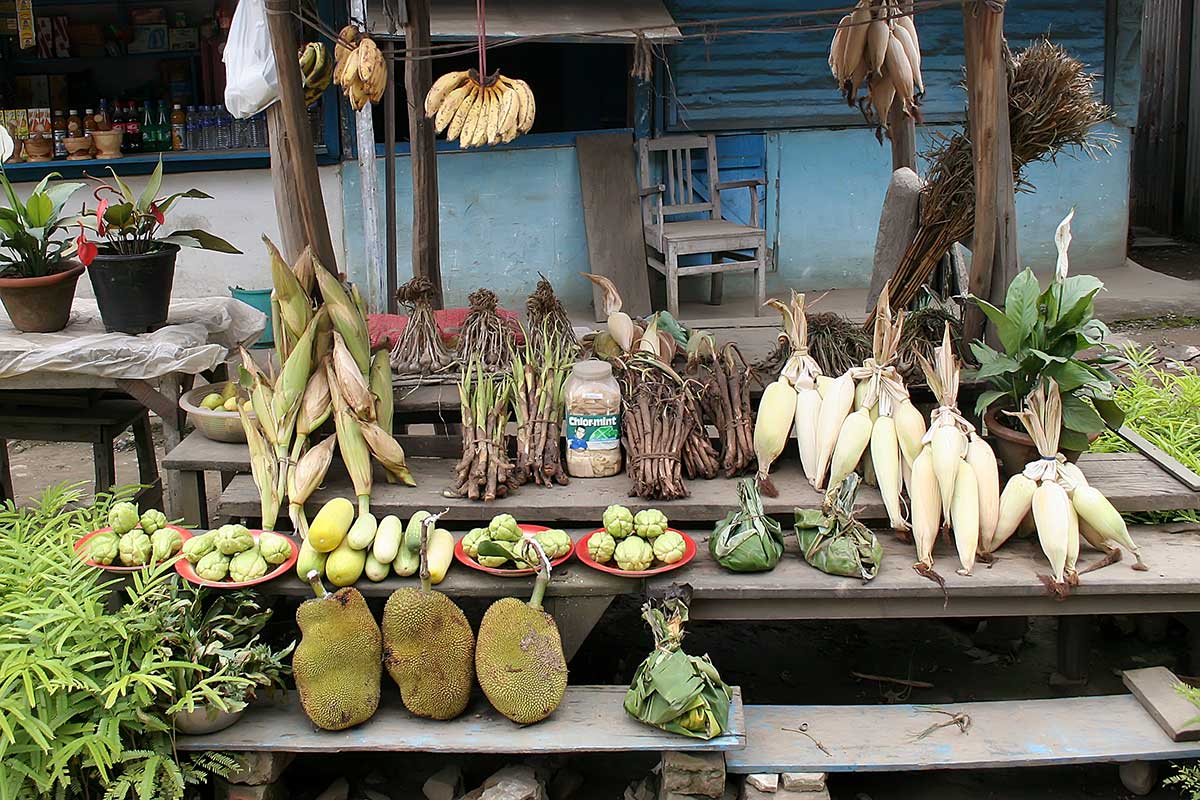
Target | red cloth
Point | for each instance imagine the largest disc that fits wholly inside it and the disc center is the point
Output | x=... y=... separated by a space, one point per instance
x=388 y=327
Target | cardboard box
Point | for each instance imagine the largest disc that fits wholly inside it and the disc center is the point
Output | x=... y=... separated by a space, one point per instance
x=149 y=39
x=183 y=39
x=148 y=16
x=17 y=122
x=39 y=122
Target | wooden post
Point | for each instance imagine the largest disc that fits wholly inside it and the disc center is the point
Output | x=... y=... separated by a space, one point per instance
x=994 y=247
x=389 y=184
x=418 y=77
x=368 y=182
x=305 y=206
x=283 y=181
x=903 y=130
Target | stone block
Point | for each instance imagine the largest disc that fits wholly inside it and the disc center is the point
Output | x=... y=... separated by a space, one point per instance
x=238 y=791
x=258 y=769
x=764 y=781
x=701 y=774
x=897 y=226
x=749 y=792
x=517 y=782
x=445 y=784
x=803 y=781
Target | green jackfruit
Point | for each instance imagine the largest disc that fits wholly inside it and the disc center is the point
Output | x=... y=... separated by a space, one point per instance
x=428 y=647
x=338 y=665
x=519 y=657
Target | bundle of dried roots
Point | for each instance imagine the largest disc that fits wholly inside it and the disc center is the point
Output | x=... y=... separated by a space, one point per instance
x=486 y=335
x=539 y=376
x=724 y=379
x=419 y=350
x=485 y=471
x=655 y=423
x=836 y=343
x=548 y=318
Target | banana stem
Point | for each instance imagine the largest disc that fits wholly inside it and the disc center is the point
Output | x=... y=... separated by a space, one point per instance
x=543 y=576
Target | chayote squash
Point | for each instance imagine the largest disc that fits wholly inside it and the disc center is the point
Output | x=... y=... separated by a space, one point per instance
x=504 y=528
x=153 y=520
x=634 y=554
x=601 y=546
x=198 y=547
x=164 y=543
x=275 y=549
x=102 y=548
x=247 y=565
x=234 y=539
x=134 y=549
x=122 y=518
x=650 y=523
x=213 y=567
x=618 y=521
x=669 y=547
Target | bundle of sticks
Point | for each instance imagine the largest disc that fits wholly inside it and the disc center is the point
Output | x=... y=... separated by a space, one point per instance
x=540 y=372
x=655 y=424
x=485 y=471
x=724 y=379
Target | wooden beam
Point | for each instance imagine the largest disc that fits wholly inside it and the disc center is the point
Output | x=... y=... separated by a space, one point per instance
x=368 y=183
x=301 y=160
x=418 y=77
x=283 y=182
x=994 y=247
x=903 y=133
x=389 y=184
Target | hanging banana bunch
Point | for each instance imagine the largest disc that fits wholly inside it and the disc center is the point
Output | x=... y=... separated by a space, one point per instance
x=476 y=113
x=316 y=68
x=875 y=48
x=359 y=67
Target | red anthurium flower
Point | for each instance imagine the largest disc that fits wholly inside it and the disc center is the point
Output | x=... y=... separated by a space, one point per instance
x=101 y=207
x=158 y=215
x=86 y=250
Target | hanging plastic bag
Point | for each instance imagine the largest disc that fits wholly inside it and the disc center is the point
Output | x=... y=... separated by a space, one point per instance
x=251 y=81
x=833 y=541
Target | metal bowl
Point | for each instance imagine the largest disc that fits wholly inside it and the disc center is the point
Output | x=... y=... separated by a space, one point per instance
x=221 y=425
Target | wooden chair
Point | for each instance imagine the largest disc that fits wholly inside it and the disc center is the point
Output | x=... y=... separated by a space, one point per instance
x=667 y=240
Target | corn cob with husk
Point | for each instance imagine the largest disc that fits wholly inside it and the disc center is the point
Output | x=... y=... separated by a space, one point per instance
x=264 y=468
x=380 y=381
x=880 y=391
x=803 y=372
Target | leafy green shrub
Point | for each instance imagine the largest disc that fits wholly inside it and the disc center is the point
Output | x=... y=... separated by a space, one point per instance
x=87 y=685
x=1187 y=779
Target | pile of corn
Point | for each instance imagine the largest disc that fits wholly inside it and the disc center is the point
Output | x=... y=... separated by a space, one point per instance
x=326 y=370
x=876 y=47
x=1064 y=506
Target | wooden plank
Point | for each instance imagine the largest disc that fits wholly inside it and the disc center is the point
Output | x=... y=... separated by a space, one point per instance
x=283 y=185
x=418 y=76
x=1129 y=480
x=1168 y=464
x=591 y=719
x=1025 y=733
x=1155 y=689
x=612 y=218
x=198 y=452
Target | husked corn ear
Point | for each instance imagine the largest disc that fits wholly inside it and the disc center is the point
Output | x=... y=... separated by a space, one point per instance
x=315 y=405
x=380 y=381
x=345 y=316
x=1050 y=513
x=885 y=456
x=808 y=411
x=823 y=384
x=621 y=329
x=964 y=516
x=910 y=430
x=351 y=383
x=1074 y=476
x=987 y=476
x=1072 y=545
x=264 y=468
x=1100 y=514
x=303 y=479
x=926 y=503
x=1015 y=502
x=388 y=452
x=835 y=406
x=852 y=441
x=949 y=445
x=305 y=270
x=771 y=428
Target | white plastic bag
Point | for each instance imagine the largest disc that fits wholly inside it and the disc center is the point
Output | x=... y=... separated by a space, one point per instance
x=251 y=82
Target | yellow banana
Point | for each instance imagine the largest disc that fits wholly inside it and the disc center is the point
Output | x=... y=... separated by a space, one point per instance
x=464 y=110
x=493 y=124
x=349 y=35
x=506 y=124
x=479 y=137
x=449 y=106
x=308 y=57
x=369 y=59
x=349 y=72
x=528 y=107
x=441 y=89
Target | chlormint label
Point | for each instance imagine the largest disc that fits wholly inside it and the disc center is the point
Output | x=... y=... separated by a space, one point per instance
x=593 y=431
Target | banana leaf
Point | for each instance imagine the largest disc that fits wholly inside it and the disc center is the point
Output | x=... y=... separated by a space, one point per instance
x=671 y=690
x=747 y=540
x=833 y=541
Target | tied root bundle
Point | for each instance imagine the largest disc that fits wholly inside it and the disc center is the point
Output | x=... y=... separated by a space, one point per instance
x=419 y=350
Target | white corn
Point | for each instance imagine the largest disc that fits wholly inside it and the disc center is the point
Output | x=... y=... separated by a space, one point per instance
x=987 y=476
x=852 y=441
x=1100 y=514
x=771 y=428
x=1015 y=502
x=948 y=447
x=1073 y=474
x=1050 y=513
x=926 y=506
x=823 y=384
x=835 y=405
x=910 y=430
x=808 y=411
x=1072 y=544
x=885 y=456
x=964 y=517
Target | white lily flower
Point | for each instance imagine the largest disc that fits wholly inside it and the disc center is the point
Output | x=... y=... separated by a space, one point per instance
x=1062 y=240
x=7 y=146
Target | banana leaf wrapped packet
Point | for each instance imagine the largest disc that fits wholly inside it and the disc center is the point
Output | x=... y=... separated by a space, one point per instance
x=672 y=690
x=747 y=540
x=833 y=541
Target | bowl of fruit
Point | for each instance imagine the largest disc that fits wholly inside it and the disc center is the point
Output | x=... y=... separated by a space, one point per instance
x=213 y=410
x=635 y=545
x=509 y=535
x=234 y=557
x=131 y=541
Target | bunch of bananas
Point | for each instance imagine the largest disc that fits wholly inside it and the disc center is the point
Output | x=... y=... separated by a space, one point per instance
x=497 y=109
x=316 y=69
x=359 y=67
x=876 y=46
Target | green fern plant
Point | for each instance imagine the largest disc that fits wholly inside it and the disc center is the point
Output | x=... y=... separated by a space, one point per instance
x=1187 y=777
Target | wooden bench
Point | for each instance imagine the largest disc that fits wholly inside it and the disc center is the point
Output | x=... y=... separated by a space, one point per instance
x=591 y=719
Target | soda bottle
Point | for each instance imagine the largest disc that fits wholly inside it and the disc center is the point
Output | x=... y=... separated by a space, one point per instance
x=133 y=128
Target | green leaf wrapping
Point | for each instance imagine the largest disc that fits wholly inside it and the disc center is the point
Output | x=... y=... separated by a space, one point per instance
x=835 y=543
x=747 y=540
x=674 y=691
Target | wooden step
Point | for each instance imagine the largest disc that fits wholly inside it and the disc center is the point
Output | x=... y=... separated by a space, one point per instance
x=1024 y=733
x=591 y=719
x=1131 y=481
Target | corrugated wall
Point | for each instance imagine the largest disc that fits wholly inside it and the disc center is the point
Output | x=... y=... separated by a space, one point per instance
x=769 y=81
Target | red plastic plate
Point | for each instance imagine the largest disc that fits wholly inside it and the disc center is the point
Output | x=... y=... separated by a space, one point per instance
x=116 y=567
x=188 y=571
x=581 y=552
x=461 y=556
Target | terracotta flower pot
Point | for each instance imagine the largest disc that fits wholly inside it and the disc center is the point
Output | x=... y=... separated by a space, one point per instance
x=38 y=148
x=1013 y=447
x=43 y=304
x=108 y=143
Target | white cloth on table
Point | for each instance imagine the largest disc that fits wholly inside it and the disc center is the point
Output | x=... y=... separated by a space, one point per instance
x=199 y=335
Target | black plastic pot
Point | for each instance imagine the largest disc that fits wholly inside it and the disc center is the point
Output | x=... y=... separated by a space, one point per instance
x=134 y=292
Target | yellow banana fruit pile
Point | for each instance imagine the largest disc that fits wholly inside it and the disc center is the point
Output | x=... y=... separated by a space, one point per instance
x=876 y=48
x=317 y=70
x=497 y=110
x=359 y=67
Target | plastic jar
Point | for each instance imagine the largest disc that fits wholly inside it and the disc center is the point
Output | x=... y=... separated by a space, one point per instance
x=592 y=398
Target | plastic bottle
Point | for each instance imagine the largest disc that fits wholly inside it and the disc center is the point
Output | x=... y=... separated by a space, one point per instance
x=208 y=133
x=178 y=128
x=162 y=125
x=60 y=134
x=149 y=129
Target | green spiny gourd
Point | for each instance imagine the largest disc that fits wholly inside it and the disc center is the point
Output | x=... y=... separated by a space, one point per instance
x=338 y=664
x=519 y=656
x=428 y=645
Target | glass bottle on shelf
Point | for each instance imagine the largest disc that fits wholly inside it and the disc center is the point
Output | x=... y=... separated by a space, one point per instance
x=149 y=131
x=60 y=134
x=103 y=117
x=133 y=129
x=162 y=127
x=178 y=128
x=89 y=122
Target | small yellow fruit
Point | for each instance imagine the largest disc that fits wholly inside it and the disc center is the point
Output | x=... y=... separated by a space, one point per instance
x=231 y=404
x=331 y=525
x=212 y=401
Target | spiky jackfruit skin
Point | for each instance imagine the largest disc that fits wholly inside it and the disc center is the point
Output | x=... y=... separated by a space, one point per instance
x=519 y=661
x=338 y=664
x=429 y=650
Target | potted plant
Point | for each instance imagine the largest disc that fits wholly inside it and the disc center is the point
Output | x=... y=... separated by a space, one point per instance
x=218 y=635
x=37 y=275
x=133 y=268
x=1048 y=333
